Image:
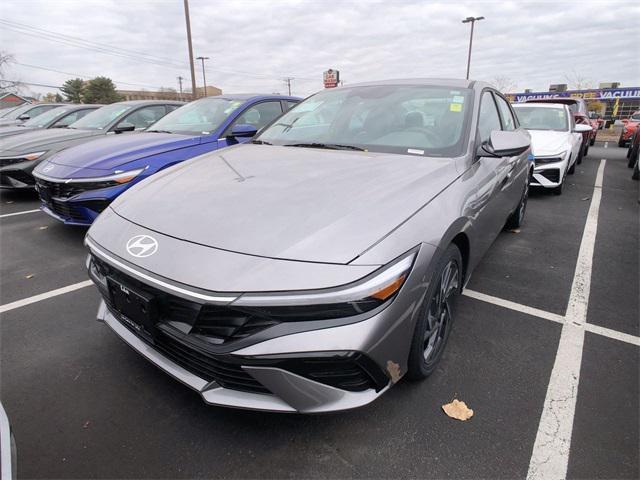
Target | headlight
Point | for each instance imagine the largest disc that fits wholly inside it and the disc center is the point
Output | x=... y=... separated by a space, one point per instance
x=118 y=176
x=362 y=296
x=27 y=156
x=551 y=159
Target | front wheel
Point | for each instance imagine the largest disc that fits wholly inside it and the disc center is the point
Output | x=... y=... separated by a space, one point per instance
x=436 y=316
x=572 y=168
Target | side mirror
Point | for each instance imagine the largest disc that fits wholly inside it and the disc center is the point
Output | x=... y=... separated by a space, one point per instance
x=505 y=144
x=243 y=130
x=124 y=127
x=580 y=128
x=24 y=116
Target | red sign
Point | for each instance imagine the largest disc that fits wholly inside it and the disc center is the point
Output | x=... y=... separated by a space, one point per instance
x=331 y=78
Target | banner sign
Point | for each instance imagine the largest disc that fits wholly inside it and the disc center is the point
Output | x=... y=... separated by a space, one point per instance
x=331 y=78
x=590 y=94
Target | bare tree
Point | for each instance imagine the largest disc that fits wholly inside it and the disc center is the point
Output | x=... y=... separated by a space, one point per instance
x=577 y=81
x=504 y=84
x=11 y=86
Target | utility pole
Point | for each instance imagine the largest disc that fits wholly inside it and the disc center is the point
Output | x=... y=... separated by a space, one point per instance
x=473 y=20
x=193 y=70
x=288 y=82
x=204 y=76
x=180 y=83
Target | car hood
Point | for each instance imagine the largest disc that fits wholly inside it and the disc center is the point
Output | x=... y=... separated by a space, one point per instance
x=285 y=202
x=43 y=139
x=14 y=130
x=114 y=151
x=544 y=142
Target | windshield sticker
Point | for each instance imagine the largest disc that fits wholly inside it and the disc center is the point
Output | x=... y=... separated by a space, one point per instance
x=458 y=99
x=415 y=151
x=455 y=107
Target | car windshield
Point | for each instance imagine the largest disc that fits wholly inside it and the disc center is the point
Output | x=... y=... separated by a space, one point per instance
x=542 y=118
x=16 y=112
x=6 y=111
x=406 y=119
x=42 y=120
x=200 y=117
x=101 y=118
x=636 y=117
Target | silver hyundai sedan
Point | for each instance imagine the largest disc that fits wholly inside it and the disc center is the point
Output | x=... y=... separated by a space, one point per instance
x=311 y=270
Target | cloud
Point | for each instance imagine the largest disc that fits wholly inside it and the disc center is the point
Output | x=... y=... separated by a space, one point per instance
x=253 y=45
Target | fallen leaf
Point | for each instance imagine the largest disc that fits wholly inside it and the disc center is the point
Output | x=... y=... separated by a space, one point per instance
x=458 y=410
x=44 y=228
x=29 y=276
x=9 y=202
x=86 y=424
x=515 y=230
x=586 y=198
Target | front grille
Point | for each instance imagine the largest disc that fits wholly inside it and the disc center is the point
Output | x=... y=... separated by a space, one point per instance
x=551 y=174
x=65 y=210
x=19 y=175
x=10 y=161
x=68 y=190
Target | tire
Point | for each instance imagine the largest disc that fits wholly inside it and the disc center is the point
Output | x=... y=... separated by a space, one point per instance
x=586 y=150
x=558 y=190
x=580 y=155
x=572 y=169
x=636 y=169
x=632 y=154
x=435 y=316
x=621 y=142
x=592 y=141
x=516 y=219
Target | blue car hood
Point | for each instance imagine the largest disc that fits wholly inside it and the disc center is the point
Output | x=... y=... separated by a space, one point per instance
x=109 y=152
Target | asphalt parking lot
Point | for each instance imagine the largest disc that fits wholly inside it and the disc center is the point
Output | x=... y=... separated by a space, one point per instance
x=83 y=405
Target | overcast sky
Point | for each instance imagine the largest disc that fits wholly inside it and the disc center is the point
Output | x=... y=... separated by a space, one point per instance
x=253 y=45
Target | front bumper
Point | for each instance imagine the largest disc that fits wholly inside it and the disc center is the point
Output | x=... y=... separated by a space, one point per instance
x=294 y=366
x=548 y=175
x=17 y=177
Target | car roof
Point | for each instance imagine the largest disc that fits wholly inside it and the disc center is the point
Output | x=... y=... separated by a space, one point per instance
x=149 y=102
x=252 y=96
x=540 y=105
x=563 y=100
x=447 y=82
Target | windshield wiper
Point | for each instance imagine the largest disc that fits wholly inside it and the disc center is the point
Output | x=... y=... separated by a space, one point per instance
x=261 y=142
x=328 y=146
x=158 y=131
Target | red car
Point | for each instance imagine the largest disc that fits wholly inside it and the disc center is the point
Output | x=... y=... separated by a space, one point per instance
x=630 y=126
x=580 y=114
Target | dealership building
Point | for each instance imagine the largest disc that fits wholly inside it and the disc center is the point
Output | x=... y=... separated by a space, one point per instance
x=612 y=103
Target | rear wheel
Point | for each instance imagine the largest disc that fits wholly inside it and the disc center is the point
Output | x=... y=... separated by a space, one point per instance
x=516 y=219
x=621 y=141
x=436 y=316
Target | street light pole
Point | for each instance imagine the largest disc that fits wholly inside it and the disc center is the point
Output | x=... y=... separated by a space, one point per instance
x=204 y=76
x=193 y=70
x=473 y=20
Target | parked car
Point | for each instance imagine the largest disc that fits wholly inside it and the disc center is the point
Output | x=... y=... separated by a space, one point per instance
x=60 y=117
x=311 y=269
x=26 y=112
x=580 y=113
x=6 y=111
x=596 y=123
x=630 y=125
x=19 y=155
x=633 y=153
x=78 y=183
x=8 y=455
x=556 y=141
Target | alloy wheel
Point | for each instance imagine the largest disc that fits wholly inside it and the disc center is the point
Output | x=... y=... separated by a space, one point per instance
x=439 y=312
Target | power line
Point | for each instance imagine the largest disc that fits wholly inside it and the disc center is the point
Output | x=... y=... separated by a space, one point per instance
x=69 y=40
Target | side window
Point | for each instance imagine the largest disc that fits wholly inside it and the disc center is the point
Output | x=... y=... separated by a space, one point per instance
x=145 y=117
x=72 y=117
x=508 y=121
x=34 y=112
x=290 y=104
x=171 y=108
x=489 y=119
x=261 y=114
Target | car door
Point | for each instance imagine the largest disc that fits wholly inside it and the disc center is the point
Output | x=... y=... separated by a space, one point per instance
x=517 y=166
x=486 y=207
x=257 y=115
x=576 y=139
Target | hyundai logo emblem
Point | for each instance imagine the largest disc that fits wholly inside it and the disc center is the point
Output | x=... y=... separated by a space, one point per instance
x=48 y=168
x=142 y=246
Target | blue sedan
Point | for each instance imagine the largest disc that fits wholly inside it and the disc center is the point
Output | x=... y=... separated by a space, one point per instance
x=78 y=183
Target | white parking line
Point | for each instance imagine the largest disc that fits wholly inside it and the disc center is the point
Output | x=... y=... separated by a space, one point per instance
x=554 y=317
x=550 y=455
x=19 y=213
x=43 y=296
